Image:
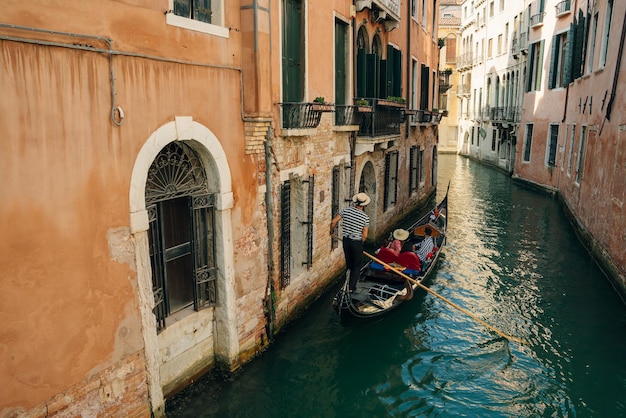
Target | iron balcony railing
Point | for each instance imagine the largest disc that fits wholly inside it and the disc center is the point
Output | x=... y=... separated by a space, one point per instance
x=505 y=114
x=303 y=115
x=563 y=7
x=346 y=115
x=523 y=42
x=537 y=19
x=382 y=117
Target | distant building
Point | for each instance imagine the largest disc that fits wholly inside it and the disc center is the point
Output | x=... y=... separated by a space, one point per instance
x=169 y=173
x=491 y=69
x=449 y=25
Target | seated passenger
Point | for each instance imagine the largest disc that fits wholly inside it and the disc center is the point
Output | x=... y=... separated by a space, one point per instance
x=426 y=246
x=399 y=236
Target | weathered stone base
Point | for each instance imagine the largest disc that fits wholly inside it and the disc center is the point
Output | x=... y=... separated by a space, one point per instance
x=119 y=391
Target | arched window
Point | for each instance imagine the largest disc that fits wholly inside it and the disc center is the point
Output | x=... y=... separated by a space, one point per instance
x=181 y=232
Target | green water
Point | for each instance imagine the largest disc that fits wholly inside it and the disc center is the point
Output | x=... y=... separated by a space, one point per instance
x=513 y=260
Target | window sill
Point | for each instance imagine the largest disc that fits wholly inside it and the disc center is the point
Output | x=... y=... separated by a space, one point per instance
x=195 y=25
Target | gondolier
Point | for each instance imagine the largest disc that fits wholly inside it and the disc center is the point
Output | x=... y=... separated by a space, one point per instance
x=354 y=228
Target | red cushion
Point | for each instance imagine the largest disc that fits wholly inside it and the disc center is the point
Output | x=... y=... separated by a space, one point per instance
x=387 y=255
x=409 y=260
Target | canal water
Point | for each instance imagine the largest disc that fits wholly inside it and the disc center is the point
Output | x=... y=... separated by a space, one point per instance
x=513 y=260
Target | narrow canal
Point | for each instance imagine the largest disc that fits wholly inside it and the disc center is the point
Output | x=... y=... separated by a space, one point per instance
x=513 y=260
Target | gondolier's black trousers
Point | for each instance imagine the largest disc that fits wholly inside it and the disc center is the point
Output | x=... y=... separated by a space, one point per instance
x=353 y=251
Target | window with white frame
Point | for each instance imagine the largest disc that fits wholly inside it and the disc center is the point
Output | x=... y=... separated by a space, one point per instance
x=205 y=16
x=592 y=42
x=535 y=66
x=556 y=77
x=571 y=149
x=606 y=32
x=528 y=142
x=553 y=138
x=581 y=151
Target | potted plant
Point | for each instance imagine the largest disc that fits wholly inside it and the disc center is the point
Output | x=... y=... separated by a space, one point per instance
x=363 y=106
x=319 y=104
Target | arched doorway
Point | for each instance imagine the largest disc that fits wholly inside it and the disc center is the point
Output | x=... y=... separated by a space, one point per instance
x=202 y=196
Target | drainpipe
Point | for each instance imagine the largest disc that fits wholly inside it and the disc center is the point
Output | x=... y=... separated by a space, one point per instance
x=618 y=66
x=409 y=61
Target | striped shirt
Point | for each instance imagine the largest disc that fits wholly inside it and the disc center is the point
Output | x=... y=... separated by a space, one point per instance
x=354 y=220
x=425 y=247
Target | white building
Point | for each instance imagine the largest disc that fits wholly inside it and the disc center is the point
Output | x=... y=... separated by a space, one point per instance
x=493 y=51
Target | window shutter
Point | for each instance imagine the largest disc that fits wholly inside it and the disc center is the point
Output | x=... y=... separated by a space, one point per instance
x=361 y=73
x=387 y=180
x=335 y=200
x=539 y=66
x=569 y=48
x=310 y=221
x=384 y=79
x=372 y=68
x=424 y=87
x=205 y=272
x=285 y=241
x=553 y=62
x=292 y=55
x=340 y=62
x=397 y=72
x=531 y=67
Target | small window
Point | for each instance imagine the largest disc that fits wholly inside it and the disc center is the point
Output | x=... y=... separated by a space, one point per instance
x=581 y=152
x=572 y=138
x=528 y=142
x=552 y=145
x=199 y=15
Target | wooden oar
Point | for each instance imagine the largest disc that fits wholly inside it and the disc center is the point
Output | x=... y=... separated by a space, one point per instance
x=449 y=302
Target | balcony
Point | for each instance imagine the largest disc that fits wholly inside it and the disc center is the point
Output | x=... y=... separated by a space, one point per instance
x=537 y=19
x=463 y=90
x=384 y=117
x=523 y=43
x=444 y=80
x=465 y=61
x=515 y=48
x=386 y=11
x=347 y=115
x=509 y=114
x=563 y=8
x=302 y=115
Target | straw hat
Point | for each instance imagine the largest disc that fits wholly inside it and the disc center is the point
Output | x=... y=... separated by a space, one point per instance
x=361 y=199
x=401 y=234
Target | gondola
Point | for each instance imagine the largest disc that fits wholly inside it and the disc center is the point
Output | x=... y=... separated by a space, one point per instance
x=380 y=290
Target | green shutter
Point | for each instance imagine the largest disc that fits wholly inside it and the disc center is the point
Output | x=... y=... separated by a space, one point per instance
x=291 y=54
x=424 y=87
x=383 y=82
x=569 y=48
x=372 y=68
x=340 y=63
x=531 y=62
x=397 y=72
x=361 y=73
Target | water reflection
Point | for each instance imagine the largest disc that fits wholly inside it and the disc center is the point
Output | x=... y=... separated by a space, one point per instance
x=513 y=260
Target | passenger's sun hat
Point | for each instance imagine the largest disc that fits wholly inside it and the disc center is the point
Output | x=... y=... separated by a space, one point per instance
x=401 y=234
x=361 y=199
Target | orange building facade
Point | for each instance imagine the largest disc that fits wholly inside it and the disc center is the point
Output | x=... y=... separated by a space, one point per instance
x=170 y=171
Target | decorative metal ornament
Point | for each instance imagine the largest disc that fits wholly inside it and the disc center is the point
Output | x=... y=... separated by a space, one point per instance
x=176 y=171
